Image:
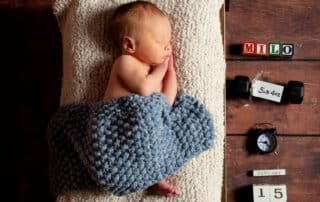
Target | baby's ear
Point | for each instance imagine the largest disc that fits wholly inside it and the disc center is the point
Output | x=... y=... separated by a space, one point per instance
x=128 y=44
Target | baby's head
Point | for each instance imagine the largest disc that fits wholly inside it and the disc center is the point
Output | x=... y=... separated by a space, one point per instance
x=142 y=30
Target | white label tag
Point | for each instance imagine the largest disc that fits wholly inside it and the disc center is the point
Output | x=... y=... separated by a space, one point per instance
x=271 y=172
x=266 y=90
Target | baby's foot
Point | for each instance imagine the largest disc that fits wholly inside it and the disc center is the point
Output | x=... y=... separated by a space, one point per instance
x=164 y=188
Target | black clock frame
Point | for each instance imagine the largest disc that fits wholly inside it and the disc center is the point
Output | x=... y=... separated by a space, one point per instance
x=252 y=140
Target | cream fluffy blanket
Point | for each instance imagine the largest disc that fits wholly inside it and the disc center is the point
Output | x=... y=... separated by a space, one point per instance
x=200 y=65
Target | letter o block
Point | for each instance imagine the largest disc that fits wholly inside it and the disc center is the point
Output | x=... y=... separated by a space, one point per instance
x=287 y=50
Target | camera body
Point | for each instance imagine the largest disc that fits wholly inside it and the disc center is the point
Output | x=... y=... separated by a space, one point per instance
x=240 y=87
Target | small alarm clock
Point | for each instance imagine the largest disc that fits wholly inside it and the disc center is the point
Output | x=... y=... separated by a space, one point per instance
x=262 y=140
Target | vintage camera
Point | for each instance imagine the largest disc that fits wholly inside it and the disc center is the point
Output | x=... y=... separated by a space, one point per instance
x=240 y=87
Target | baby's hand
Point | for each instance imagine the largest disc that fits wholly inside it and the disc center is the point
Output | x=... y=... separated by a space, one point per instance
x=171 y=66
x=170 y=82
x=164 y=66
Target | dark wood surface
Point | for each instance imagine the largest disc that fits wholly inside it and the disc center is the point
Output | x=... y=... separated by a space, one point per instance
x=299 y=156
x=295 y=22
x=242 y=114
x=34 y=4
x=279 y=21
x=31 y=66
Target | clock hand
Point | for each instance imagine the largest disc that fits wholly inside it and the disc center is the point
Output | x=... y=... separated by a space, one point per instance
x=265 y=142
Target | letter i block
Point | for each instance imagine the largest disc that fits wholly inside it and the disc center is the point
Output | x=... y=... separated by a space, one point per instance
x=261 y=49
x=248 y=48
x=274 y=49
x=287 y=50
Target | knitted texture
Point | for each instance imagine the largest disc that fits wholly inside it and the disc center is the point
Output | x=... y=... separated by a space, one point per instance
x=200 y=65
x=126 y=144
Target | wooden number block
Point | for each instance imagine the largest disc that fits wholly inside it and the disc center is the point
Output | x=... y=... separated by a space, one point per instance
x=275 y=49
x=269 y=193
x=278 y=193
x=261 y=193
x=261 y=49
x=287 y=50
x=248 y=48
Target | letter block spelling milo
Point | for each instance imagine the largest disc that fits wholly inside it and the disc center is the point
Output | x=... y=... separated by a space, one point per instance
x=248 y=48
x=261 y=49
x=274 y=49
x=265 y=49
x=287 y=49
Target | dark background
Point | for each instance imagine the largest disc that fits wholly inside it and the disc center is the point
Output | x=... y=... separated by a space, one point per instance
x=31 y=65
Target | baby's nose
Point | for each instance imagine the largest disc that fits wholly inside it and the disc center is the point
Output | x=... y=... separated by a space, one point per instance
x=168 y=48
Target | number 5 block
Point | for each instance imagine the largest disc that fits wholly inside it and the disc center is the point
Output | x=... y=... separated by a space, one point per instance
x=278 y=193
x=269 y=193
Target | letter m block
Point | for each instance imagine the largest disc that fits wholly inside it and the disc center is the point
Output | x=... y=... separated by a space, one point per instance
x=248 y=48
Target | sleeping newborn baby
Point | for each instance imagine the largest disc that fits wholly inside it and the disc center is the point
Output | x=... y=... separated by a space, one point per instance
x=142 y=34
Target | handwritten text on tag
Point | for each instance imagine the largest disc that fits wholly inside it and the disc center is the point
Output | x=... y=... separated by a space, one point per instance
x=266 y=90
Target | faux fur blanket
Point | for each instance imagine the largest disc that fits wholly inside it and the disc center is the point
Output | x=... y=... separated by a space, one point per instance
x=200 y=66
x=126 y=144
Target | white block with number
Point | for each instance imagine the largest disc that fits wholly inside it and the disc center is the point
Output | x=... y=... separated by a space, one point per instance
x=278 y=193
x=269 y=193
x=261 y=193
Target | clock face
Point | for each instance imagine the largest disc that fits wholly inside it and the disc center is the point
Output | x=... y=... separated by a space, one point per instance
x=266 y=142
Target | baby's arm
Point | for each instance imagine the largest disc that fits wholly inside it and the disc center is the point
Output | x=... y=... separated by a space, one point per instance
x=169 y=87
x=136 y=77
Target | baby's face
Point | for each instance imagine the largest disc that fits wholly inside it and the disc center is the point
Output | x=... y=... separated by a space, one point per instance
x=154 y=43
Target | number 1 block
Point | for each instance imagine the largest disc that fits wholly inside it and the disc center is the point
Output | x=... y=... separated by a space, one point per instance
x=261 y=193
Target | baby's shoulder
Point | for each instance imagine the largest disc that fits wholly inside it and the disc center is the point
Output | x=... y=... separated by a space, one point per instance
x=126 y=60
x=127 y=63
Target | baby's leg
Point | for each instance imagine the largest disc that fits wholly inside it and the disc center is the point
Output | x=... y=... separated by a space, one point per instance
x=164 y=188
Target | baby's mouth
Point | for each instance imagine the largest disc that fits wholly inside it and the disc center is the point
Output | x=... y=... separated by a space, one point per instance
x=163 y=60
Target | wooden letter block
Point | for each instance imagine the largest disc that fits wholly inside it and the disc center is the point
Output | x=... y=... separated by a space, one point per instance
x=269 y=193
x=274 y=49
x=248 y=48
x=261 y=49
x=287 y=50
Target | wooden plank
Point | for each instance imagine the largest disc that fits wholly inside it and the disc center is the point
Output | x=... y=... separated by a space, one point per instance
x=27 y=3
x=292 y=119
x=276 y=21
x=33 y=3
x=299 y=156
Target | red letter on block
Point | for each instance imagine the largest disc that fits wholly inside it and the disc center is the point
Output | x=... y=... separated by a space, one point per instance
x=248 y=48
x=261 y=49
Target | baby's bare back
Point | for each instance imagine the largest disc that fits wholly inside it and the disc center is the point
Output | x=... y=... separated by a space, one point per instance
x=126 y=78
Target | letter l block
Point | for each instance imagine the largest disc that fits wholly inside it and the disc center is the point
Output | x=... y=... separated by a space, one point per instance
x=274 y=49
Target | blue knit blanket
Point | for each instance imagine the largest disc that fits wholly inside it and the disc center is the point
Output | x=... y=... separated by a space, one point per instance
x=126 y=144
